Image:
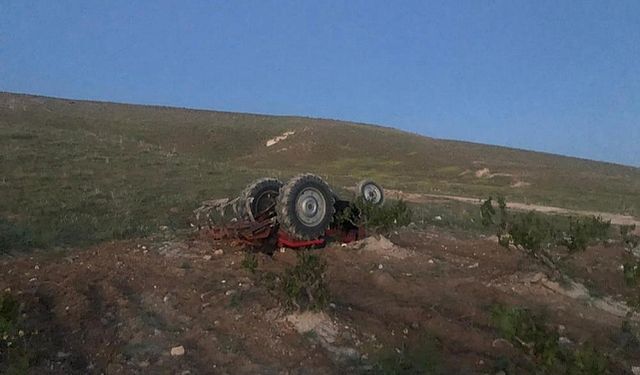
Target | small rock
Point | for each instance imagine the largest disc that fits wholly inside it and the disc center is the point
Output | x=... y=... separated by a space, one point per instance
x=475 y=265
x=561 y=328
x=431 y=261
x=343 y=244
x=438 y=218
x=564 y=341
x=177 y=351
x=37 y=267
x=207 y=257
x=229 y=292
x=501 y=342
x=144 y=248
x=380 y=266
x=218 y=252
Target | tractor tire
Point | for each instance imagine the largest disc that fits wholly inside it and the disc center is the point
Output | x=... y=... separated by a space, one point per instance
x=258 y=196
x=305 y=207
x=370 y=192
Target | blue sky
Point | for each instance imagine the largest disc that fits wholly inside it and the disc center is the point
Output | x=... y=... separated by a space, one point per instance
x=555 y=76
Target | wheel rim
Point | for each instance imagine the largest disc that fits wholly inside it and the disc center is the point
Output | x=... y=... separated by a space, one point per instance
x=311 y=207
x=264 y=201
x=371 y=193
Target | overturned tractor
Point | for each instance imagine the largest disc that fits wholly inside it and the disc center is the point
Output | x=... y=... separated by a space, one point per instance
x=304 y=212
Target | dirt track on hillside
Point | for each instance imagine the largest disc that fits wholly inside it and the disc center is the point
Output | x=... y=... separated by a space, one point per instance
x=121 y=307
x=617 y=219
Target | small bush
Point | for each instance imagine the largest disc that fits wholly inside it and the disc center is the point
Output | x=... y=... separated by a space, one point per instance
x=531 y=231
x=524 y=328
x=304 y=285
x=584 y=232
x=423 y=358
x=631 y=272
x=487 y=212
x=250 y=262
x=14 y=357
x=530 y=331
x=14 y=236
x=377 y=217
x=630 y=240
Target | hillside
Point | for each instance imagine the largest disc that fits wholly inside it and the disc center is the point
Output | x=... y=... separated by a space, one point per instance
x=79 y=172
x=124 y=284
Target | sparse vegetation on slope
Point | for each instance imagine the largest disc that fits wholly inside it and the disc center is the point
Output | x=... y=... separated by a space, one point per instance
x=531 y=333
x=75 y=173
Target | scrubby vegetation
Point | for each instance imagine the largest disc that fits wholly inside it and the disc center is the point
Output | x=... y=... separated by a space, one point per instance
x=14 y=357
x=584 y=232
x=250 y=262
x=301 y=287
x=530 y=332
x=630 y=240
x=534 y=232
x=631 y=271
x=424 y=358
x=304 y=285
x=377 y=218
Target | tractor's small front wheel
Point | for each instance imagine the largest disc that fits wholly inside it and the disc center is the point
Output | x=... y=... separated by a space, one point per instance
x=370 y=192
x=258 y=197
x=305 y=207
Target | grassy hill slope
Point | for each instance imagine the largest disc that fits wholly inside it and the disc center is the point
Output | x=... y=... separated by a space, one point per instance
x=77 y=172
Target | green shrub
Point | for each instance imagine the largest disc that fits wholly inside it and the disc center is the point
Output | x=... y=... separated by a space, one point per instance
x=487 y=212
x=534 y=231
x=524 y=328
x=630 y=240
x=584 y=232
x=304 y=285
x=531 y=231
x=250 y=262
x=14 y=236
x=631 y=272
x=14 y=357
x=376 y=217
x=423 y=358
x=530 y=332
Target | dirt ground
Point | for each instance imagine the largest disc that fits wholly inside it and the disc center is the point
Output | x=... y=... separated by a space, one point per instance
x=123 y=307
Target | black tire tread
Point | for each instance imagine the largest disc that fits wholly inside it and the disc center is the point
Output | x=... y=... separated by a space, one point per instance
x=287 y=219
x=252 y=190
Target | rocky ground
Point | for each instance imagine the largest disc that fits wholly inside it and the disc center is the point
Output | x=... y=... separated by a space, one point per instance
x=191 y=307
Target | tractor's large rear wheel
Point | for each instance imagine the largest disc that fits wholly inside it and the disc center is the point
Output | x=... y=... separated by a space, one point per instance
x=258 y=196
x=305 y=207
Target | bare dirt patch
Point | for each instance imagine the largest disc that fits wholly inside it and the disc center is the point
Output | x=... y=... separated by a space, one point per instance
x=123 y=307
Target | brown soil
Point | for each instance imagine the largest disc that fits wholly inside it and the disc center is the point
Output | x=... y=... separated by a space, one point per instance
x=121 y=307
